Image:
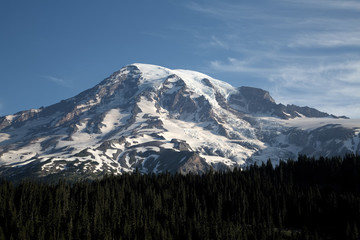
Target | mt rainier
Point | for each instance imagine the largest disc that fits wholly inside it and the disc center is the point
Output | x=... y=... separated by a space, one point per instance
x=155 y=119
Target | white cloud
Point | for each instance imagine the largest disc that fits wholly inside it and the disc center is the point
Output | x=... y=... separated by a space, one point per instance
x=235 y=65
x=58 y=81
x=349 y=5
x=223 y=10
x=255 y=62
x=353 y=5
x=328 y=40
x=327 y=75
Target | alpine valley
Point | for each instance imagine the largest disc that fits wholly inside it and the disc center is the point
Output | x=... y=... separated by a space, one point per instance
x=155 y=119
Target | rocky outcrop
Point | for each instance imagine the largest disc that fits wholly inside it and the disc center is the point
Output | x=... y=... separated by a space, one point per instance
x=194 y=164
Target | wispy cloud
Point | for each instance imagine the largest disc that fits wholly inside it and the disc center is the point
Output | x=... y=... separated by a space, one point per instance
x=58 y=81
x=216 y=42
x=353 y=5
x=224 y=10
x=262 y=28
x=248 y=65
x=327 y=40
x=333 y=87
x=154 y=34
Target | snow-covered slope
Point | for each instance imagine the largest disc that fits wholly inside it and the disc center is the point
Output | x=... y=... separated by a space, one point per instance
x=157 y=119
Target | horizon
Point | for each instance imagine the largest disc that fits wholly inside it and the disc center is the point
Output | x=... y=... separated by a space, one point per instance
x=305 y=53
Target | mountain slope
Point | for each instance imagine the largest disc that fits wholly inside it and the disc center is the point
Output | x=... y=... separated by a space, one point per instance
x=156 y=119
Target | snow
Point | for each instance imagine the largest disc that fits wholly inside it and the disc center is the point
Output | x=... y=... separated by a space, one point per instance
x=22 y=155
x=152 y=75
x=110 y=152
x=4 y=137
x=147 y=107
x=305 y=123
x=217 y=159
x=169 y=145
x=88 y=104
x=155 y=170
x=194 y=81
x=10 y=117
x=287 y=114
x=81 y=139
x=140 y=139
x=301 y=115
x=127 y=159
x=112 y=118
x=172 y=89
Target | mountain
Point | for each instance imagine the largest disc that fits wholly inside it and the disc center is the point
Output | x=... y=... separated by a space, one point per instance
x=155 y=119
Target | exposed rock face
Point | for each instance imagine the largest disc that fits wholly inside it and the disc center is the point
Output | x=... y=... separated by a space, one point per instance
x=181 y=145
x=194 y=164
x=18 y=118
x=155 y=119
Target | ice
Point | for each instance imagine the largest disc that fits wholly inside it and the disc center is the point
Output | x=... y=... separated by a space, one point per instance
x=313 y=123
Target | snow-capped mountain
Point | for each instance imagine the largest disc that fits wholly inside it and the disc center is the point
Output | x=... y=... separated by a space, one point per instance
x=156 y=119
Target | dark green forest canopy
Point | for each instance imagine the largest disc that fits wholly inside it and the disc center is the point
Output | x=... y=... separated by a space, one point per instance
x=304 y=199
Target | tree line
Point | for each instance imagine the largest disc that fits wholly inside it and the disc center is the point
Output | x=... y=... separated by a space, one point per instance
x=304 y=199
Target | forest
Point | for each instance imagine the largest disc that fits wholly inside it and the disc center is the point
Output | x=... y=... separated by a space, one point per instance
x=304 y=199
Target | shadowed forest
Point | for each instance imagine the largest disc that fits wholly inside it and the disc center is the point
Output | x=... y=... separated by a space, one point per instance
x=304 y=199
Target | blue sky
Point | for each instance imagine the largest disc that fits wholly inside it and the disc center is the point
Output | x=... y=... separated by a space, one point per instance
x=303 y=52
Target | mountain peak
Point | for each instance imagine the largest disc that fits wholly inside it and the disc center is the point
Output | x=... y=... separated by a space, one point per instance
x=158 y=119
x=193 y=79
